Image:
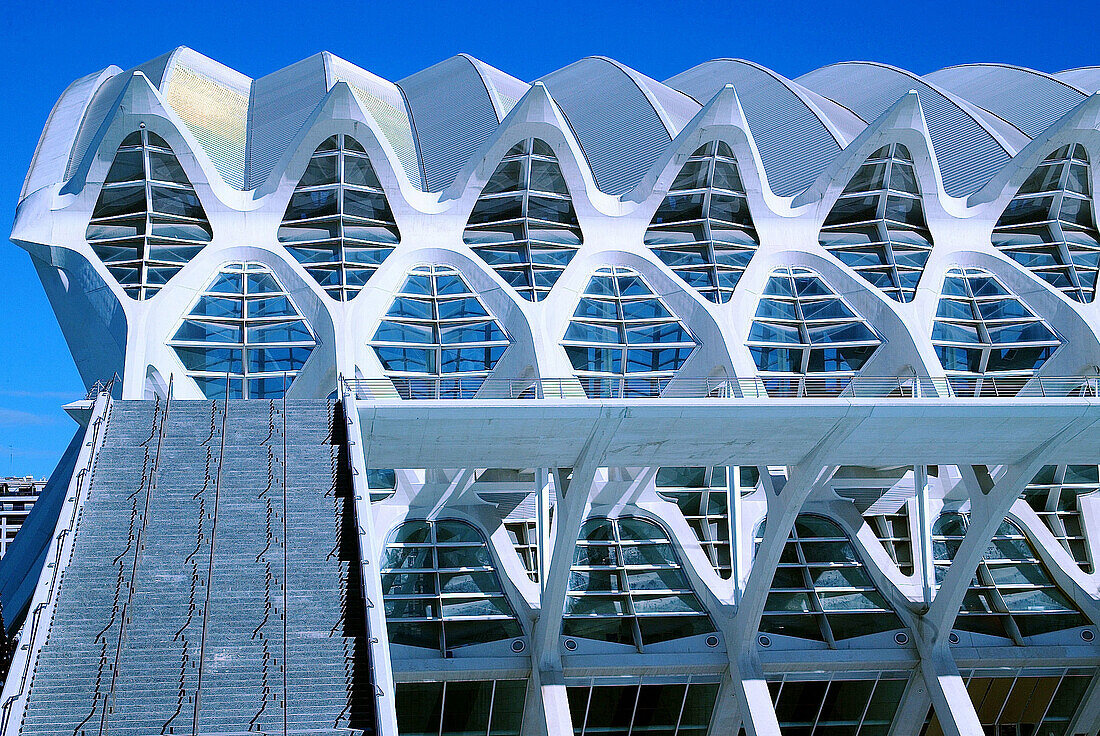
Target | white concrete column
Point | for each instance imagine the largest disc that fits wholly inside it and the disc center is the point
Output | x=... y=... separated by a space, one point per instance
x=913 y=708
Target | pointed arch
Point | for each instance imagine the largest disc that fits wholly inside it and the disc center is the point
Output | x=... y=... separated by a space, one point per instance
x=524 y=225
x=703 y=229
x=441 y=588
x=627 y=586
x=147 y=222
x=1049 y=227
x=877 y=226
x=244 y=328
x=821 y=590
x=438 y=335
x=338 y=223
x=1012 y=594
x=623 y=339
x=804 y=327
x=983 y=329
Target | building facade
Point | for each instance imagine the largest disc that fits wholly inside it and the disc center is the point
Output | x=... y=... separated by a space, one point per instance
x=728 y=402
x=17 y=497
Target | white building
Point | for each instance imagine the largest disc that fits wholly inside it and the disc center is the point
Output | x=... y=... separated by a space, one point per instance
x=859 y=304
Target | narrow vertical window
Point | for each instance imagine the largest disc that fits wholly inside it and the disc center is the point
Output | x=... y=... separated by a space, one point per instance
x=523 y=224
x=877 y=227
x=703 y=229
x=338 y=224
x=148 y=222
x=1049 y=228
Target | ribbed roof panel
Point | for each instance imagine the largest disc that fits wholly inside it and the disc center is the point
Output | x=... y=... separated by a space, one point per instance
x=968 y=152
x=281 y=102
x=795 y=143
x=617 y=126
x=1028 y=99
x=1087 y=78
x=453 y=113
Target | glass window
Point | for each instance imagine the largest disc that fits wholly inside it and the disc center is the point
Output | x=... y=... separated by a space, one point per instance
x=618 y=309
x=981 y=329
x=799 y=308
x=853 y=707
x=338 y=223
x=441 y=589
x=147 y=222
x=703 y=496
x=438 y=336
x=667 y=709
x=1013 y=703
x=821 y=589
x=461 y=708
x=1049 y=227
x=244 y=326
x=1012 y=595
x=877 y=226
x=523 y=224
x=626 y=586
x=1055 y=495
x=703 y=229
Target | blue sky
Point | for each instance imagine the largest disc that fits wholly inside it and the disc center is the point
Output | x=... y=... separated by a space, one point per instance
x=47 y=45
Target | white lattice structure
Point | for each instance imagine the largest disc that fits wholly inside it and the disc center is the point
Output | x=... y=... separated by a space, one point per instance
x=702 y=272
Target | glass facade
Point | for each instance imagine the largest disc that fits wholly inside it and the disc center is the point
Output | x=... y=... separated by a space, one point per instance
x=523 y=224
x=244 y=329
x=437 y=328
x=877 y=226
x=848 y=707
x=441 y=588
x=664 y=709
x=982 y=329
x=703 y=229
x=1026 y=702
x=627 y=586
x=461 y=708
x=1012 y=595
x=148 y=223
x=1049 y=228
x=821 y=589
x=623 y=339
x=338 y=224
x=703 y=496
x=1055 y=495
x=803 y=327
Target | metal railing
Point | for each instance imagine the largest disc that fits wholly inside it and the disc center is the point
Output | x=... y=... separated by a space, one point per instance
x=761 y=387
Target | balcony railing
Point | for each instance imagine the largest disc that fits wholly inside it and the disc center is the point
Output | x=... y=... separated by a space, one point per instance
x=763 y=387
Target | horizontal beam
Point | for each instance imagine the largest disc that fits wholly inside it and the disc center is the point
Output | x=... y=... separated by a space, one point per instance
x=552 y=432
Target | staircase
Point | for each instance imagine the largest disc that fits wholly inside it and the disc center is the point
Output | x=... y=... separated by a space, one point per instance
x=214 y=582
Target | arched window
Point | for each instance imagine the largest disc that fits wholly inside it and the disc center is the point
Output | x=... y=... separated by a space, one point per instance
x=821 y=589
x=338 y=223
x=1049 y=228
x=441 y=589
x=437 y=336
x=1012 y=594
x=627 y=586
x=982 y=329
x=703 y=495
x=246 y=329
x=148 y=222
x=803 y=327
x=623 y=339
x=1055 y=495
x=523 y=224
x=877 y=226
x=703 y=230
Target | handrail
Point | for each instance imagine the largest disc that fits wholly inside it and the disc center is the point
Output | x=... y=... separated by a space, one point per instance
x=55 y=566
x=758 y=387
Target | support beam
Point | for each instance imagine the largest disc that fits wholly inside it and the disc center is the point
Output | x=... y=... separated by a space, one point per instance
x=913 y=708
